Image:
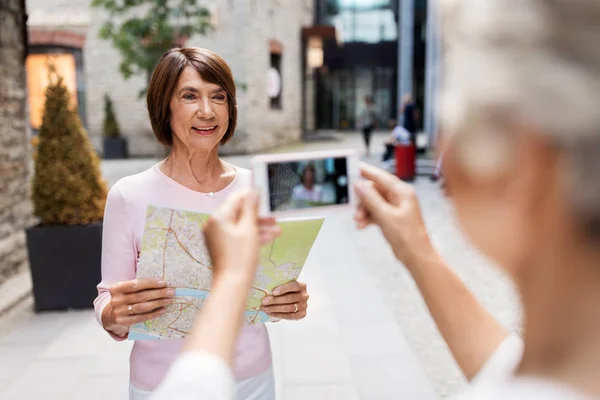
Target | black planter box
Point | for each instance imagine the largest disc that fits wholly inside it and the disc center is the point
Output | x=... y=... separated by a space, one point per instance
x=65 y=265
x=115 y=148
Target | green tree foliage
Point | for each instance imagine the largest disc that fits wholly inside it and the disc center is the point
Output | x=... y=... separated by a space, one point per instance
x=67 y=186
x=110 y=128
x=142 y=30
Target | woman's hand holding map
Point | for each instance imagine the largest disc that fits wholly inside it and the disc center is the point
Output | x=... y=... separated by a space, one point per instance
x=135 y=301
x=288 y=301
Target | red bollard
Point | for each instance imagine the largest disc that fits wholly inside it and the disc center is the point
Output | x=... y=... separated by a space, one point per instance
x=406 y=168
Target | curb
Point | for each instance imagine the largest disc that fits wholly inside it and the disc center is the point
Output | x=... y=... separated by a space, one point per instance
x=14 y=290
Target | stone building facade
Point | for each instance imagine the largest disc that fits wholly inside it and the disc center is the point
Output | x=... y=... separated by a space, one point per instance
x=15 y=159
x=249 y=34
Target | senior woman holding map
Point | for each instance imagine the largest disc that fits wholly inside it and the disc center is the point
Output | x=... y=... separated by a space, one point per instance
x=192 y=107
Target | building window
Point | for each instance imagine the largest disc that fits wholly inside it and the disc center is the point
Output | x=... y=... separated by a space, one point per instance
x=68 y=63
x=274 y=82
x=366 y=21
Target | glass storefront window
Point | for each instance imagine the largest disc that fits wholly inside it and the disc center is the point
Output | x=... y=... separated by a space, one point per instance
x=38 y=79
x=68 y=63
x=342 y=96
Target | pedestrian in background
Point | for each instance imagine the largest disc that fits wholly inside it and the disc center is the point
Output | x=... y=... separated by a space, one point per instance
x=410 y=116
x=368 y=122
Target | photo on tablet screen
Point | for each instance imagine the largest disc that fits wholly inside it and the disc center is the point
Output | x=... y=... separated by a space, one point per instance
x=308 y=183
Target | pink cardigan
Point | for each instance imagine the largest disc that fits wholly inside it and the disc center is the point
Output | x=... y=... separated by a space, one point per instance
x=123 y=228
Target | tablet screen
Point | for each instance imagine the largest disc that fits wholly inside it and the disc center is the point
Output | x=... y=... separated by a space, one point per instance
x=308 y=183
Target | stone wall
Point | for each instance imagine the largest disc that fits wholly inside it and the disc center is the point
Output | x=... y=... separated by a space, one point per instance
x=15 y=160
x=101 y=71
x=256 y=24
x=241 y=37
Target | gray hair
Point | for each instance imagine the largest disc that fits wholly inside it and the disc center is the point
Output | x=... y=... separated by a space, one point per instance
x=525 y=64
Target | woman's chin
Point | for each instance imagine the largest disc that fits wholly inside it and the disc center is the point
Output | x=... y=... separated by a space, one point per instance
x=204 y=142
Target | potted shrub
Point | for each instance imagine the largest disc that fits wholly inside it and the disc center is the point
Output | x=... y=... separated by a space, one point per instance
x=115 y=146
x=69 y=198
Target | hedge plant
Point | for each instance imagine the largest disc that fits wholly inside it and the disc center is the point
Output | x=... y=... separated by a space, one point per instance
x=110 y=128
x=67 y=186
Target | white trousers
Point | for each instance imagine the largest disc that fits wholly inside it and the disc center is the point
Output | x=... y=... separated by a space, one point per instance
x=259 y=387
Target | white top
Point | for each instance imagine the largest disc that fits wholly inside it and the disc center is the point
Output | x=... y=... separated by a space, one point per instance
x=301 y=194
x=204 y=376
x=195 y=376
x=496 y=380
x=400 y=134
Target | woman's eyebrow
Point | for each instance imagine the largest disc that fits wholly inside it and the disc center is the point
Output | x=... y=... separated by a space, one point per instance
x=189 y=89
x=195 y=90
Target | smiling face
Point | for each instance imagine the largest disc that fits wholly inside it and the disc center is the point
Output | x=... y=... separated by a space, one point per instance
x=192 y=99
x=199 y=112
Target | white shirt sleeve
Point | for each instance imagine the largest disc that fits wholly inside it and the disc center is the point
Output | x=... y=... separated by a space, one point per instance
x=195 y=376
x=496 y=380
x=503 y=362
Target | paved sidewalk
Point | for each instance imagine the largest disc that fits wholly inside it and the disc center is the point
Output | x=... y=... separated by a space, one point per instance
x=349 y=347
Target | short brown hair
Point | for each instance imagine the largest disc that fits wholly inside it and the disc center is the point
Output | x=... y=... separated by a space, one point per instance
x=310 y=168
x=211 y=67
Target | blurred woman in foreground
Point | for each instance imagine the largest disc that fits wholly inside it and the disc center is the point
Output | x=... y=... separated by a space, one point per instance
x=522 y=158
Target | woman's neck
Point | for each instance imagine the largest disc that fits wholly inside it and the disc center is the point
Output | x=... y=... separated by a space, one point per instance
x=203 y=172
x=561 y=301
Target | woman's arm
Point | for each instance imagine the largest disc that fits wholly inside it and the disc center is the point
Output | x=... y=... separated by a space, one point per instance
x=118 y=257
x=232 y=237
x=472 y=334
x=218 y=324
x=203 y=371
x=119 y=288
x=469 y=330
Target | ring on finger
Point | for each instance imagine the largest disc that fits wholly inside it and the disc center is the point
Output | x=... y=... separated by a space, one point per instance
x=130 y=308
x=295 y=308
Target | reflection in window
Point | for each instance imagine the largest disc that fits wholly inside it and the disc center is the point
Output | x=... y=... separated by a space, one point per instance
x=365 y=4
x=38 y=66
x=274 y=81
x=366 y=26
x=367 y=21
